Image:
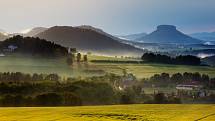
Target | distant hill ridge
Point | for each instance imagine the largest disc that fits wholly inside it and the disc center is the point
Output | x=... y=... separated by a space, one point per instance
x=207 y=36
x=88 y=39
x=133 y=37
x=35 y=31
x=168 y=34
x=209 y=60
x=100 y=31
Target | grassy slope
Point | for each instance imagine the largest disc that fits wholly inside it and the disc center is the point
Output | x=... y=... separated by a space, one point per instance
x=44 y=65
x=112 y=113
x=147 y=70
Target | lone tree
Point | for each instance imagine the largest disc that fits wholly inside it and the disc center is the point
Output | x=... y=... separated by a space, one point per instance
x=85 y=58
x=79 y=57
x=71 y=59
x=49 y=99
x=160 y=98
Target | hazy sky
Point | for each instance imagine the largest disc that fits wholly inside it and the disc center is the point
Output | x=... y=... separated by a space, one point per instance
x=113 y=16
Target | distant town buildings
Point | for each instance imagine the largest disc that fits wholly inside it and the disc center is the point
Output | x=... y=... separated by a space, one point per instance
x=193 y=88
x=189 y=86
x=127 y=81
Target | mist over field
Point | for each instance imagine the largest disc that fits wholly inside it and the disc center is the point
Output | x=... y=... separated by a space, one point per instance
x=107 y=60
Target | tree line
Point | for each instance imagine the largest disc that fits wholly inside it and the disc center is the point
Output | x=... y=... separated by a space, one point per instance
x=116 y=61
x=22 y=77
x=73 y=57
x=165 y=79
x=181 y=60
x=20 y=89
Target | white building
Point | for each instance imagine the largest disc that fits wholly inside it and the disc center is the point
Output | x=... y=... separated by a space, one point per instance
x=10 y=48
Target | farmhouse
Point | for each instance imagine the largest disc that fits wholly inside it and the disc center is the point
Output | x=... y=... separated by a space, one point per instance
x=189 y=86
x=193 y=88
x=127 y=81
x=10 y=48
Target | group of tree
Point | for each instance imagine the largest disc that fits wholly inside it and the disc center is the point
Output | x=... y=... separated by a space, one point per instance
x=33 y=46
x=165 y=79
x=72 y=57
x=19 y=89
x=22 y=77
x=161 y=98
x=182 y=60
x=135 y=95
x=44 y=99
x=56 y=94
x=64 y=92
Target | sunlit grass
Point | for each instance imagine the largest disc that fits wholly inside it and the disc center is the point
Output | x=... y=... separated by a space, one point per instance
x=112 y=113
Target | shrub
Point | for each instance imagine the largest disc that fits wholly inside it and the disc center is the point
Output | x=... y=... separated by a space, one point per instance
x=48 y=99
x=71 y=99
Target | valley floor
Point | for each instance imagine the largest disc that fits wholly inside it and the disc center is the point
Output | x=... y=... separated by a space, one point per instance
x=47 y=65
x=111 y=113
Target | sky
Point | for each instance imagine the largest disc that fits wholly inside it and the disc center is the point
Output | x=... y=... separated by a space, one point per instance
x=119 y=17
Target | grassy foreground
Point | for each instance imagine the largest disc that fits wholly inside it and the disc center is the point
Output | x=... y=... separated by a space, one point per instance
x=112 y=113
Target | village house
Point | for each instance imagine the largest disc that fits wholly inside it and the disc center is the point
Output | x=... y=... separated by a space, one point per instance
x=193 y=88
x=10 y=48
x=127 y=81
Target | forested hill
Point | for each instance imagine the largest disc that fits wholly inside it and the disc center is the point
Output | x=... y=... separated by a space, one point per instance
x=88 y=40
x=33 y=46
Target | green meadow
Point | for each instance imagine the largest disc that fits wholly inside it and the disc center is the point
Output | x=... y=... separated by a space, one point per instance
x=32 y=65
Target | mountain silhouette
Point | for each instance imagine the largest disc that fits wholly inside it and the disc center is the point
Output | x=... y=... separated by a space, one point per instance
x=168 y=34
x=132 y=36
x=209 y=60
x=87 y=39
x=100 y=31
x=207 y=36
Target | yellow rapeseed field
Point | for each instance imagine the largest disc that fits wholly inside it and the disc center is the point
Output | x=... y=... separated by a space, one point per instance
x=111 y=113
